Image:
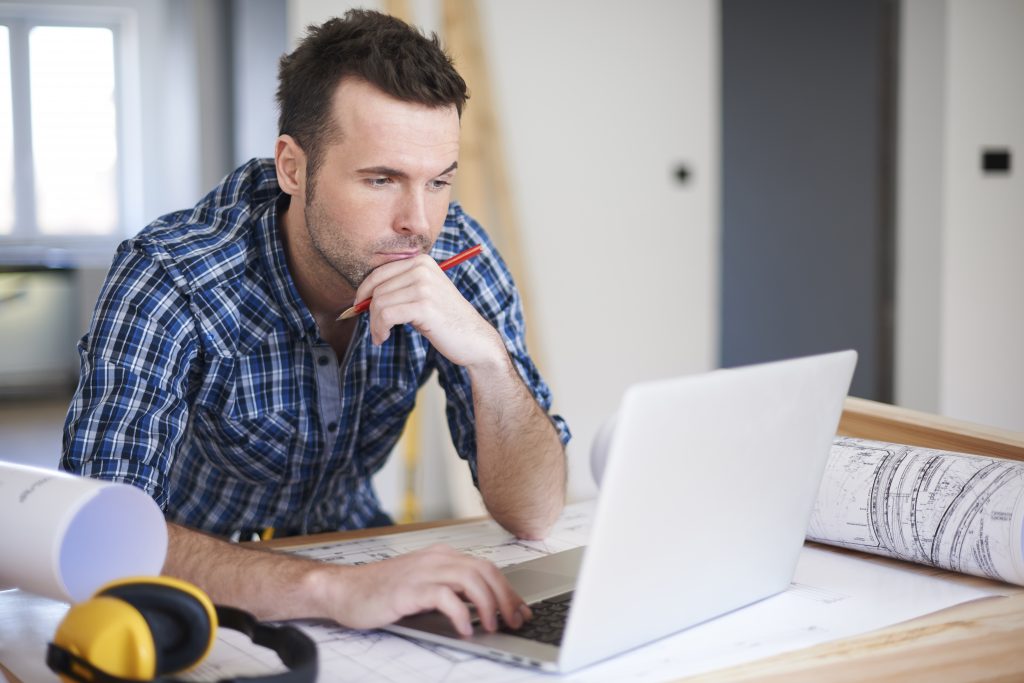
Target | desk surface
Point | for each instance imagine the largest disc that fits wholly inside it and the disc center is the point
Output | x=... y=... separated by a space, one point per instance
x=978 y=641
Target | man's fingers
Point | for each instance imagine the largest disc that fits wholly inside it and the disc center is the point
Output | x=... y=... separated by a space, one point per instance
x=382 y=322
x=407 y=297
x=489 y=591
x=415 y=292
x=448 y=603
x=383 y=274
x=478 y=592
x=483 y=585
x=399 y=281
x=435 y=578
x=509 y=603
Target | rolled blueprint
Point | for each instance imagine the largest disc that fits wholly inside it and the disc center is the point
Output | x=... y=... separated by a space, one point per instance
x=63 y=536
x=599 y=448
x=960 y=512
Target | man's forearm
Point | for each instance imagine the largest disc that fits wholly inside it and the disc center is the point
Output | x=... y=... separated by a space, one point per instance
x=270 y=585
x=520 y=460
x=277 y=586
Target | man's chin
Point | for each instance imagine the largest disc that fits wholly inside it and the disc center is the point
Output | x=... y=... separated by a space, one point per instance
x=345 y=273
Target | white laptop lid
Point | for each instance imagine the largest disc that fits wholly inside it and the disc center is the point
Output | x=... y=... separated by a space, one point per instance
x=705 y=499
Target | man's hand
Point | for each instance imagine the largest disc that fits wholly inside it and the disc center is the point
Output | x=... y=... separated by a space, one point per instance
x=416 y=291
x=275 y=585
x=438 y=578
x=520 y=460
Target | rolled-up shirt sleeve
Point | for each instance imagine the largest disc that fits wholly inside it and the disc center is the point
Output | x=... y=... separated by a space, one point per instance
x=130 y=412
x=487 y=283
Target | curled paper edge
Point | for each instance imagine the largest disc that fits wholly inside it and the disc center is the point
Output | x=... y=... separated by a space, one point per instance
x=599 y=448
x=65 y=536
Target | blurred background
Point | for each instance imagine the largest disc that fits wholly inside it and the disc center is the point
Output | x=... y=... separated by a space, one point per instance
x=677 y=186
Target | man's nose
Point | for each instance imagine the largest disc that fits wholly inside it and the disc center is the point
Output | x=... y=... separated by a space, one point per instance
x=412 y=215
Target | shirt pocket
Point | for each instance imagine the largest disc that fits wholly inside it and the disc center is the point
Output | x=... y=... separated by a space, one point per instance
x=383 y=415
x=383 y=404
x=254 y=449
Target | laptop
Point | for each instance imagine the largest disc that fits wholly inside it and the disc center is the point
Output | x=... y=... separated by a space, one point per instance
x=707 y=490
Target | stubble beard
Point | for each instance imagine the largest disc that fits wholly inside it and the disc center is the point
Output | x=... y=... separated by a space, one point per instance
x=341 y=253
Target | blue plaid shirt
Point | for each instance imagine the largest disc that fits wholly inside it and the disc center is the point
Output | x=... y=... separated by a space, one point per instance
x=204 y=380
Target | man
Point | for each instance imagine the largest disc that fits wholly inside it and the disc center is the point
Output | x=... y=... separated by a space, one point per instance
x=216 y=376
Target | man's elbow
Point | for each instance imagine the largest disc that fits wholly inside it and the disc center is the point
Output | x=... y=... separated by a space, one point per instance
x=533 y=527
x=532 y=533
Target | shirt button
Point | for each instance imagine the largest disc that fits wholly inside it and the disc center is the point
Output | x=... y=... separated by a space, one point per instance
x=333 y=427
x=323 y=360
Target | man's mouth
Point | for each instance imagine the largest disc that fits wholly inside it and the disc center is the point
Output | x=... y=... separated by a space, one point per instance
x=389 y=256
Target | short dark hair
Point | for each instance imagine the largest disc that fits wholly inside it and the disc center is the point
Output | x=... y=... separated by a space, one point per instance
x=380 y=49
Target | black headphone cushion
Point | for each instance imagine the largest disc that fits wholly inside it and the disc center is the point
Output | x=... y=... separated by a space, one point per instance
x=179 y=622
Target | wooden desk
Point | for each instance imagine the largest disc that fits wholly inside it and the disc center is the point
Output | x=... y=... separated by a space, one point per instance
x=979 y=641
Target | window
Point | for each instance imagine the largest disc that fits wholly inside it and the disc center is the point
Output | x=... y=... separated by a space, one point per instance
x=6 y=136
x=61 y=163
x=74 y=129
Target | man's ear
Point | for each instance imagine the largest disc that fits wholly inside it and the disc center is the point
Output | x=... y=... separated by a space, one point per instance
x=290 y=162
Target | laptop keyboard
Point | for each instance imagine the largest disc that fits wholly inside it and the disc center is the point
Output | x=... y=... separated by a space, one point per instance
x=548 y=621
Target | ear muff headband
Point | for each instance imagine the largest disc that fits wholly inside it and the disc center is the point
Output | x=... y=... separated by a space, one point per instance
x=143 y=628
x=180 y=617
x=296 y=650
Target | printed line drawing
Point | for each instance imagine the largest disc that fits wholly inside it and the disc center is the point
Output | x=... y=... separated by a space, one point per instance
x=955 y=511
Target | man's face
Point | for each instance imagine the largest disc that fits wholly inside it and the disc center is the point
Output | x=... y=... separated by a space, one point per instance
x=382 y=191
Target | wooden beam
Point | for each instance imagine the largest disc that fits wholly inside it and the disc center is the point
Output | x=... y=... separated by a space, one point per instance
x=882 y=422
x=482 y=185
x=399 y=9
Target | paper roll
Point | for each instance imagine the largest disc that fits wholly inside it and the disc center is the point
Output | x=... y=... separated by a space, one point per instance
x=599 y=448
x=63 y=536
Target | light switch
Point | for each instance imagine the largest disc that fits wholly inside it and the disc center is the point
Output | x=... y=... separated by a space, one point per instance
x=995 y=161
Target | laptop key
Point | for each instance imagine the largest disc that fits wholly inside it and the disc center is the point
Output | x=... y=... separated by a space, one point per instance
x=548 y=623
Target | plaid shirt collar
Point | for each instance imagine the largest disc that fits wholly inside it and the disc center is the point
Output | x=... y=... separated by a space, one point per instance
x=270 y=246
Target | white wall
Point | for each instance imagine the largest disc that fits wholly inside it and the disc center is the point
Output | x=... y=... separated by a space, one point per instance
x=598 y=102
x=961 y=290
x=919 y=211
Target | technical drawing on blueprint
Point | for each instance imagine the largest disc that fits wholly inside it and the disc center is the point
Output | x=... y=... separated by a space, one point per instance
x=833 y=596
x=483 y=539
x=353 y=655
x=956 y=511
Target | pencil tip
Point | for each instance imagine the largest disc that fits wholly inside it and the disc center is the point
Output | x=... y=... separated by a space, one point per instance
x=347 y=313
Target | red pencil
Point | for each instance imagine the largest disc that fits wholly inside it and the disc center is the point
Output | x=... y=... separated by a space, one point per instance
x=364 y=305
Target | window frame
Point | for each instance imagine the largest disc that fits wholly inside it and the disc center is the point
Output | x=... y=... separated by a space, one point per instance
x=123 y=23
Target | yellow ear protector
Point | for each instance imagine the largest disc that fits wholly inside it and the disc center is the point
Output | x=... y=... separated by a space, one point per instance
x=142 y=629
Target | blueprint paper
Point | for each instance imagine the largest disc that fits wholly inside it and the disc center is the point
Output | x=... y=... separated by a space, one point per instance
x=833 y=596
x=970 y=506
x=960 y=512
x=483 y=539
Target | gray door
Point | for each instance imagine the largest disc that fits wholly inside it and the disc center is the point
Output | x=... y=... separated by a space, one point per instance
x=806 y=183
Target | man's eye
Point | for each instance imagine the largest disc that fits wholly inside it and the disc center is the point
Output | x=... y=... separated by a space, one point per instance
x=378 y=182
x=439 y=184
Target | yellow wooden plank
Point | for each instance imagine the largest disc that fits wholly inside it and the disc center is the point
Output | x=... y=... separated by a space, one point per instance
x=482 y=185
